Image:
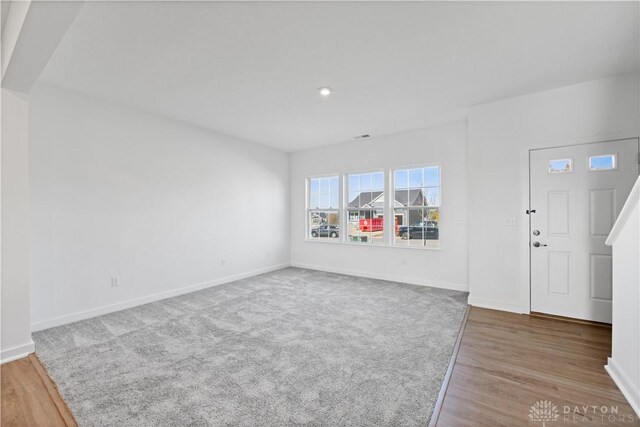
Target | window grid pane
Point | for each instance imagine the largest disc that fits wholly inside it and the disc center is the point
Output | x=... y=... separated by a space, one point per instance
x=417 y=207
x=365 y=226
x=324 y=193
x=323 y=215
x=365 y=208
x=324 y=225
x=417 y=227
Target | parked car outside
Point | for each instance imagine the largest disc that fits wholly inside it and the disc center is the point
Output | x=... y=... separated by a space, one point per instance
x=325 y=230
x=425 y=230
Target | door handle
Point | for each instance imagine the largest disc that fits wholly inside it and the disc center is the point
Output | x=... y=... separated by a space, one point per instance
x=538 y=244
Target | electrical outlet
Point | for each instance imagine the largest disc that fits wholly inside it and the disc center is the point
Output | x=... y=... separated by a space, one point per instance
x=115 y=282
x=223 y=262
x=511 y=221
x=403 y=261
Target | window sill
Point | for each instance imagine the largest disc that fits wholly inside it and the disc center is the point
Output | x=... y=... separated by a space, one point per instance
x=418 y=248
x=376 y=245
x=330 y=242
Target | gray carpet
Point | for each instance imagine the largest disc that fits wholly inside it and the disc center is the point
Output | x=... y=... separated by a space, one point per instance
x=292 y=347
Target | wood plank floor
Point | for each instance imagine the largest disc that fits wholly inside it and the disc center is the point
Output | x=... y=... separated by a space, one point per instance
x=506 y=362
x=29 y=398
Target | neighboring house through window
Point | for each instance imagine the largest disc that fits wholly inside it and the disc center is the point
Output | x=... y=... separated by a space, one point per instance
x=365 y=212
x=414 y=211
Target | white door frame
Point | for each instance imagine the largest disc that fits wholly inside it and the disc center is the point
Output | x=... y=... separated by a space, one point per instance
x=527 y=303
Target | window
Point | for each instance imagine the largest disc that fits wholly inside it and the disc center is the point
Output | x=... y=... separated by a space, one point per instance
x=602 y=163
x=560 y=166
x=409 y=213
x=323 y=208
x=365 y=210
x=416 y=206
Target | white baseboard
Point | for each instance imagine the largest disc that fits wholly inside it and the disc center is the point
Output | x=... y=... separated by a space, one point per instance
x=389 y=277
x=105 y=309
x=631 y=393
x=496 y=305
x=18 y=352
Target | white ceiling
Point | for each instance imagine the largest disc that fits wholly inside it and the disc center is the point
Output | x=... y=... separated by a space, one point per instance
x=252 y=69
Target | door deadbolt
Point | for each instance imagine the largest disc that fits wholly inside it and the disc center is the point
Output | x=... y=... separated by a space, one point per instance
x=536 y=232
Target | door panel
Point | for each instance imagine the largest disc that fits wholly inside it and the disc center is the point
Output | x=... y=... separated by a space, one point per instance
x=577 y=193
x=600 y=277
x=559 y=271
x=602 y=211
x=559 y=202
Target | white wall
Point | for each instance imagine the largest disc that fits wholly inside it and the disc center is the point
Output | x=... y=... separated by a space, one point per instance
x=15 y=329
x=500 y=137
x=116 y=192
x=624 y=363
x=447 y=267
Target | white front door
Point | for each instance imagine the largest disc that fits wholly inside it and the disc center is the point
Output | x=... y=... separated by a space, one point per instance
x=576 y=193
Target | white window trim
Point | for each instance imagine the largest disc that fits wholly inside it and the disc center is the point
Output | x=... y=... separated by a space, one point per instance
x=388 y=209
x=308 y=210
x=615 y=162
x=392 y=209
x=345 y=203
x=550 y=172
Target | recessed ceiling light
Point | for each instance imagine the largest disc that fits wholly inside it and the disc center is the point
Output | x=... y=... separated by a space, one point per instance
x=325 y=91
